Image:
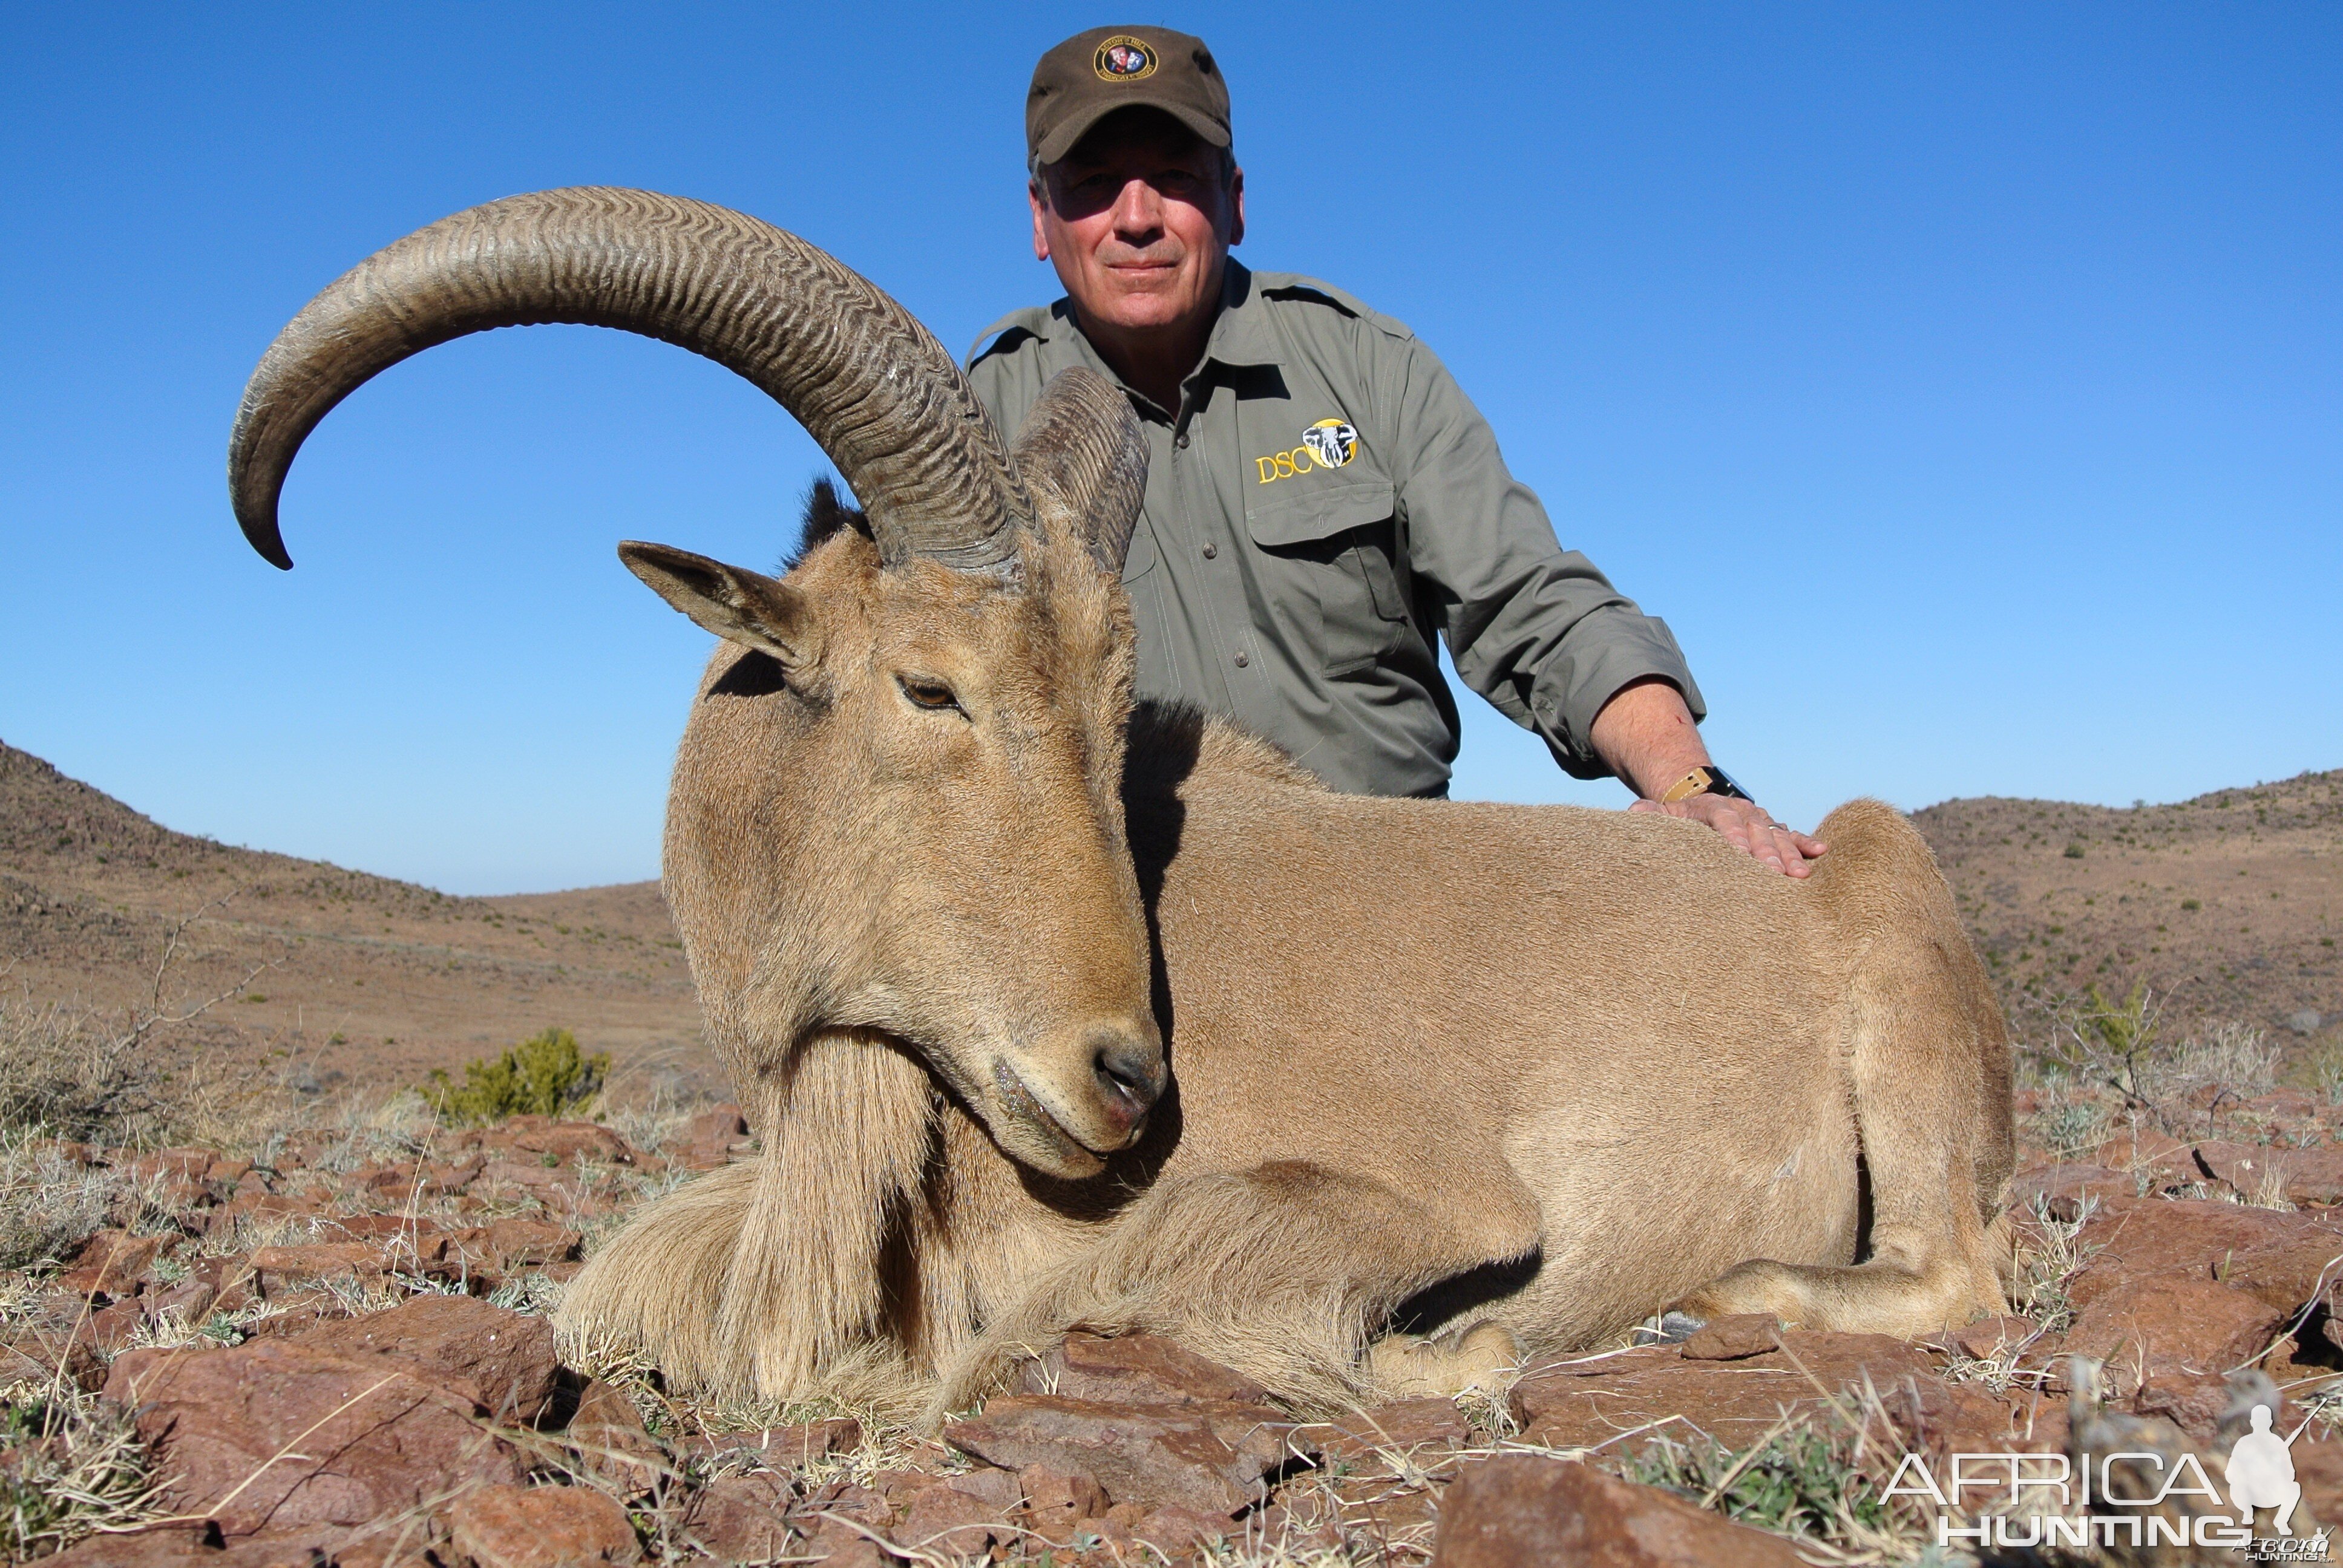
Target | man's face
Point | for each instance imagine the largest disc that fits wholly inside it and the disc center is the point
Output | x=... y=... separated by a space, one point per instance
x=1138 y=221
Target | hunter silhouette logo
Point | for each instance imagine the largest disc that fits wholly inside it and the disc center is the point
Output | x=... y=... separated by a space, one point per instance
x=2047 y=1499
x=2260 y=1472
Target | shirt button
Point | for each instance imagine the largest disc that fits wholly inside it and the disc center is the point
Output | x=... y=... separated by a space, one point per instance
x=1180 y=440
x=1242 y=661
x=1211 y=552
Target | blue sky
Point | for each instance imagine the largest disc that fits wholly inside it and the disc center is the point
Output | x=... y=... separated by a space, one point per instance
x=1964 y=383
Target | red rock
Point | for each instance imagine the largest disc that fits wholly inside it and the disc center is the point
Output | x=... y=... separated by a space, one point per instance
x=290 y=1322
x=182 y=1546
x=511 y=1246
x=504 y=1362
x=794 y=1447
x=1135 y=1369
x=110 y=1263
x=1733 y=1339
x=43 y=1351
x=110 y=1328
x=1959 y=1418
x=1209 y=1457
x=1178 y=1530
x=2195 y=1403
x=276 y=1433
x=2179 y=1324
x=282 y=1270
x=1401 y=1430
x=234 y=1284
x=955 y=1520
x=1522 y=1509
x=258 y=1206
x=2285 y=1259
x=1992 y=1337
x=1059 y=1500
x=2063 y=1190
x=2159 y=1158
x=718 y=1128
x=532 y=1177
x=565 y=1141
x=612 y=1443
x=836 y=1545
x=2286 y=1105
x=190 y=1302
x=2319 y=1466
x=2257 y=1171
x=1734 y=1401
x=542 y=1527
x=742 y=1519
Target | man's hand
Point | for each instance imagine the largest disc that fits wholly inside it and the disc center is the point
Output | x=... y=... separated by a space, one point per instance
x=1646 y=734
x=1748 y=828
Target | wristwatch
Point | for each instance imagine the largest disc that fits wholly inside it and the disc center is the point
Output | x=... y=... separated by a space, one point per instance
x=1702 y=781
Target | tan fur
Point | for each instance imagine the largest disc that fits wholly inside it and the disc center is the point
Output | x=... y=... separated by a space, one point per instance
x=1548 y=1069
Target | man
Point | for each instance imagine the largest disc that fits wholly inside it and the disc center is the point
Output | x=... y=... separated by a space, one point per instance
x=1322 y=501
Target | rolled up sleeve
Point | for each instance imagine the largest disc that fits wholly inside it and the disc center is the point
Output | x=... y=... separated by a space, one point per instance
x=1535 y=628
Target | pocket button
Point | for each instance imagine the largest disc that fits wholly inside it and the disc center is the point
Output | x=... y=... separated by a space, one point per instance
x=1211 y=552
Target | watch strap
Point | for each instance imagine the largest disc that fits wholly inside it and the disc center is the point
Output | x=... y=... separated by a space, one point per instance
x=1702 y=781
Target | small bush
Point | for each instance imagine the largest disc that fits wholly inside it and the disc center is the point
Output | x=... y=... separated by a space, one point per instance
x=2073 y=849
x=1796 y=1480
x=545 y=1075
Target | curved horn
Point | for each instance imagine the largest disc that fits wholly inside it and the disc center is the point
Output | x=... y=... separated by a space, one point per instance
x=870 y=384
x=1081 y=451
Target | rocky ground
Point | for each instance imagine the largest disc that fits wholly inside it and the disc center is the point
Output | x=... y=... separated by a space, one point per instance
x=332 y=1348
x=320 y=1337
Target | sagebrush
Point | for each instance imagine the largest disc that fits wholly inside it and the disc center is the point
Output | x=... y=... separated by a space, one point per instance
x=544 y=1075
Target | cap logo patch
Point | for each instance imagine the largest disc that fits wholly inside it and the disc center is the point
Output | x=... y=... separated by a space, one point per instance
x=1124 y=59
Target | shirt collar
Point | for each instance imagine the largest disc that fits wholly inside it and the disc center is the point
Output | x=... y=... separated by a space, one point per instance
x=1241 y=335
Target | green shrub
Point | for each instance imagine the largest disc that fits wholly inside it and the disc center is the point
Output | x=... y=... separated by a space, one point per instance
x=544 y=1075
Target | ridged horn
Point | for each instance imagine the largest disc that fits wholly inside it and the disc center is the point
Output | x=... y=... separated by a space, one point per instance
x=1081 y=451
x=868 y=383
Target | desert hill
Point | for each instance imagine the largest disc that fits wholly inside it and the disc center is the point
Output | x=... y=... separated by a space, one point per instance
x=2228 y=905
x=368 y=980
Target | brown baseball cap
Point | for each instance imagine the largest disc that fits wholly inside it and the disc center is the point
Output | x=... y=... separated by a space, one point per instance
x=1091 y=74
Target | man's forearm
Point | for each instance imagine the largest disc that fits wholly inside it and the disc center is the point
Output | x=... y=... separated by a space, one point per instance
x=1646 y=736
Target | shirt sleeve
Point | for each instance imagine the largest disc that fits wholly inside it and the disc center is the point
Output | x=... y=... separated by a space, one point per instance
x=1534 y=628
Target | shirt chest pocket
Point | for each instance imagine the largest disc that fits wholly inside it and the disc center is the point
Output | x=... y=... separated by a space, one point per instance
x=1327 y=563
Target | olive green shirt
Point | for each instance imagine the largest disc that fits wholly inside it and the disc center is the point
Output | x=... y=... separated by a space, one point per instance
x=1325 y=501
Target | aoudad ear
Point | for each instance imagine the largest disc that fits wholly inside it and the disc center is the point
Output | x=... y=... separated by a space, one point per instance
x=738 y=605
x=1083 y=456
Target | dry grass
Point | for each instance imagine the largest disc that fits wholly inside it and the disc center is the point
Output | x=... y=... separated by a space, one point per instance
x=2049 y=1253
x=2102 y=1061
x=48 y=1203
x=78 y=1468
x=64 y=1072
